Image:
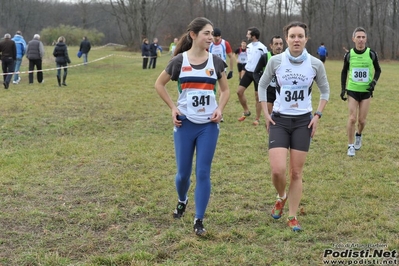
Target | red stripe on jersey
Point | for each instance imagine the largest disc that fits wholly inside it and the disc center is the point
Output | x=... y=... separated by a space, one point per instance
x=198 y=86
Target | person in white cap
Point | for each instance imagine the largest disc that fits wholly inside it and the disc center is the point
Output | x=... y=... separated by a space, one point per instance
x=35 y=53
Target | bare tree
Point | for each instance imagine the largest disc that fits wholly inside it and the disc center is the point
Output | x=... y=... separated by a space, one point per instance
x=329 y=21
x=243 y=9
x=310 y=16
x=138 y=18
x=394 y=47
x=143 y=18
x=84 y=7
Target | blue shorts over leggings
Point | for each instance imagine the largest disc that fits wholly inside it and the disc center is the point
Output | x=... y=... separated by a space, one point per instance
x=201 y=138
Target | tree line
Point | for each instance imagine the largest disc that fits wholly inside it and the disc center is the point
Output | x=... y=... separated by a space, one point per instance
x=129 y=21
x=41 y=16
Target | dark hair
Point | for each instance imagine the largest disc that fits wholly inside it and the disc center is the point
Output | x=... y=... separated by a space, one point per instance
x=359 y=29
x=275 y=37
x=185 y=41
x=254 y=32
x=295 y=24
x=322 y=43
x=217 y=32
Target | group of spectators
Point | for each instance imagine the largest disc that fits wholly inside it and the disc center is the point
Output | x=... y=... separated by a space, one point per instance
x=12 y=51
x=150 y=51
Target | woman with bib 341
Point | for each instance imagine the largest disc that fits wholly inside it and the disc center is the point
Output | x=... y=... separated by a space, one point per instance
x=197 y=114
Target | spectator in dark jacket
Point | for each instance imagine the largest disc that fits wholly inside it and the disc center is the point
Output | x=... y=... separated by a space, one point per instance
x=21 y=49
x=85 y=47
x=153 y=51
x=61 y=59
x=35 y=53
x=145 y=52
x=8 y=52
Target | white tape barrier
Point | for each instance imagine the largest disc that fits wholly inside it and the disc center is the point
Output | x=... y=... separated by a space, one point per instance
x=71 y=66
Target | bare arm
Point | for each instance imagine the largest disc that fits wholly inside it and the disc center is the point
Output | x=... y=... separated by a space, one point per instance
x=160 y=87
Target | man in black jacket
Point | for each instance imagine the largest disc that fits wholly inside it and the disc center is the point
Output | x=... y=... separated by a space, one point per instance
x=153 y=50
x=85 y=47
x=8 y=52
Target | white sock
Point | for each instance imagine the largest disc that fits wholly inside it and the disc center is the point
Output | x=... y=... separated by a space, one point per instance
x=195 y=220
x=185 y=201
x=284 y=197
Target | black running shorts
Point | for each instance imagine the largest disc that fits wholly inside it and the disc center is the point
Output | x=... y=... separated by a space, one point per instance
x=247 y=79
x=359 y=96
x=240 y=67
x=290 y=132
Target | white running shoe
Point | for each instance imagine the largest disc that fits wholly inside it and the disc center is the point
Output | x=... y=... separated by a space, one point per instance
x=358 y=142
x=351 y=151
x=17 y=81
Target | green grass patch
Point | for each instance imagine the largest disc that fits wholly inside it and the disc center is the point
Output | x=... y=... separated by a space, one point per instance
x=87 y=175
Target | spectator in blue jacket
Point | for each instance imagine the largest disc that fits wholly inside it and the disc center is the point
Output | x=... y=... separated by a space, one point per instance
x=145 y=52
x=21 y=48
x=322 y=52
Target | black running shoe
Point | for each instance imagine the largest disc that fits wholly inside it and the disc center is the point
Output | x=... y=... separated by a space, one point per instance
x=199 y=228
x=180 y=209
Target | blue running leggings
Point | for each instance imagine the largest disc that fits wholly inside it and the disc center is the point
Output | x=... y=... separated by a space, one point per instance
x=201 y=138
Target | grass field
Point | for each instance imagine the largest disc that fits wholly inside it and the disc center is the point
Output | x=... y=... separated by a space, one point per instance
x=87 y=176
